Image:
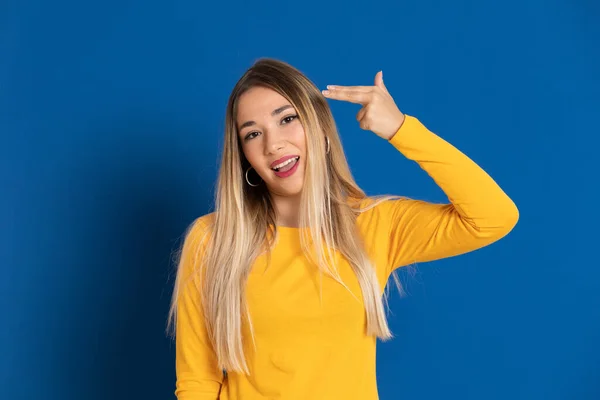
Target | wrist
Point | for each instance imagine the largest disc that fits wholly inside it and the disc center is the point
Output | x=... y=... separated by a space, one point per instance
x=399 y=125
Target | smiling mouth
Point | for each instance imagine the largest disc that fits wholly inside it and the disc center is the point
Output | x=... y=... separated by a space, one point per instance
x=289 y=165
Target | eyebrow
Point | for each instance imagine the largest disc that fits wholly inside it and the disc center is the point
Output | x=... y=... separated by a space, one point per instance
x=274 y=113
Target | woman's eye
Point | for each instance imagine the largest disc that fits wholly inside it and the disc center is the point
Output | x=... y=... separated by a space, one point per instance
x=289 y=118
x=285 y=121
x=250 y=135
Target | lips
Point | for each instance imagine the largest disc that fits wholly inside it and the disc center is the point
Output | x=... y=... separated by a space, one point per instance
x=289 y=172
x=282 y=159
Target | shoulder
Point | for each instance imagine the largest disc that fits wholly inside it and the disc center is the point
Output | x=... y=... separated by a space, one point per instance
x=382 y=205
x=204 y=221
x=195 y=240
x=198 y=229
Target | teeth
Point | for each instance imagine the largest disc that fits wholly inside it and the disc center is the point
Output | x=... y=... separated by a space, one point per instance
x=283 y=164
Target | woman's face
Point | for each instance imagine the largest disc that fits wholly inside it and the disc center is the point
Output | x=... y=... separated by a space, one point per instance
x=271 y=135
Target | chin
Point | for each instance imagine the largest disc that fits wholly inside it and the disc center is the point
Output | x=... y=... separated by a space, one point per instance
x=288 y=187
x=286 y=190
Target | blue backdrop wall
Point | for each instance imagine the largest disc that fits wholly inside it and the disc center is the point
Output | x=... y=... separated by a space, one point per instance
x=111 y=121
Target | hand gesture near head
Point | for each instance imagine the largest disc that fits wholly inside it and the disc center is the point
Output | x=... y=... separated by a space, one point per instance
x=379 y=112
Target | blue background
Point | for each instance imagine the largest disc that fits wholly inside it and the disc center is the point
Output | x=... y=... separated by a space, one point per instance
x=111 y=123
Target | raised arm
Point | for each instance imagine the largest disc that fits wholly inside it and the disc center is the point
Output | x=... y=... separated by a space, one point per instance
x=479 y=212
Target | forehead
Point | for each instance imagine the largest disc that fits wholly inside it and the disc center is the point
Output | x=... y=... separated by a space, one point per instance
x=258 y=102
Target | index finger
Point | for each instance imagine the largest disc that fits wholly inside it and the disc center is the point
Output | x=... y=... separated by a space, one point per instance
x=354 y=88
x=348 y=95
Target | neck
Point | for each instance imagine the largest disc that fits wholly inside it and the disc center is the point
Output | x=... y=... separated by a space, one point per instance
x=287 y=209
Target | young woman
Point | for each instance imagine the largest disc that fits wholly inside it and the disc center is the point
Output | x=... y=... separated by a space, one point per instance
x=279 y=291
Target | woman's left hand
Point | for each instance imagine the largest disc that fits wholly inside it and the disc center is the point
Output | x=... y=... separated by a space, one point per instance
x=379 y=113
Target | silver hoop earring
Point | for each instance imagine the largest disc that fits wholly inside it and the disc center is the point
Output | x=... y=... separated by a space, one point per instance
x=248 y=170
x=327 y=138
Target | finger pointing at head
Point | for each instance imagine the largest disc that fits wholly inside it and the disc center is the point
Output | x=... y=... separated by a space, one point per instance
x=352 y=96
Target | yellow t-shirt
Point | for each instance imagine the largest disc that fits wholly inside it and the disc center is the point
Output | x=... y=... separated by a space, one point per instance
x=308 y=350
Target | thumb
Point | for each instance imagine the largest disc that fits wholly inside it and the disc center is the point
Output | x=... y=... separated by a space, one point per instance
x=379 y=81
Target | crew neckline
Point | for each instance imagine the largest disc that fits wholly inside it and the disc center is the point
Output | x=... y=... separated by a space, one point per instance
x=286 y=227
x=281 y=228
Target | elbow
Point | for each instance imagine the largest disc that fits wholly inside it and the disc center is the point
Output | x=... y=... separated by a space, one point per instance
x=506 y=219
x=498 y=223
x=512 y=216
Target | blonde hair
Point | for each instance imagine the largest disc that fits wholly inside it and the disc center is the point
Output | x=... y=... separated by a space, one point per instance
x=244 y=222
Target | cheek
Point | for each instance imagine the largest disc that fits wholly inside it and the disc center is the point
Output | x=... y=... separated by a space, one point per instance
x=299 y=138
x=251 y=154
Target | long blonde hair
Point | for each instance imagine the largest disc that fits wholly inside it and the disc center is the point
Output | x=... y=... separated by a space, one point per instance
x=244 y=223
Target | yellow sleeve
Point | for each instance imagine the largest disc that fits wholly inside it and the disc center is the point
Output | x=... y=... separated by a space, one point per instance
x=479 y=212
x=198 y=377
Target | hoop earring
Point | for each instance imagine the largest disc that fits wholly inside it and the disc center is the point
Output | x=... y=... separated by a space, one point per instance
x=327 y=151
x=248 y=170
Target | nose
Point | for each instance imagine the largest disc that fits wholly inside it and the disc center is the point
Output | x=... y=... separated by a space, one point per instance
x=273 y=142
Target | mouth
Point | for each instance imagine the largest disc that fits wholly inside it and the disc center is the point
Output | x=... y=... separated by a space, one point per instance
x=287 y=165
x=287 y=168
